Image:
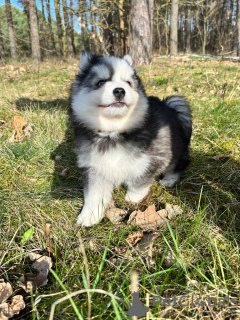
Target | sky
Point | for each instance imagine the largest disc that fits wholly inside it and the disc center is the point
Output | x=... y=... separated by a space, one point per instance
x=15 y=3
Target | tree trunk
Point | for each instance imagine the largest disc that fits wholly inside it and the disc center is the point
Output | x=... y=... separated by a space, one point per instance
x=2 y=53
x=72 y=26
x=12 y=40
x=174 y=28
x=53 y=45
x=188 y=30
x=122 y=27
x=35 y=44
x=238 y=28
x=59 y=26
x=107 y=34
x=140 y=32
x=44 y=28
x=70 y=52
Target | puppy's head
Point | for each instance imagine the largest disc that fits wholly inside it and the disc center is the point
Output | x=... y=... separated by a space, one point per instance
x=107 y=94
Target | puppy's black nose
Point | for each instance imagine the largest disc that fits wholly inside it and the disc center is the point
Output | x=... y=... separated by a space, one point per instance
x=119 y=93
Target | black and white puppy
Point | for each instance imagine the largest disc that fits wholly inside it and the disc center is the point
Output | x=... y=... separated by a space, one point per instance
x=122 y=136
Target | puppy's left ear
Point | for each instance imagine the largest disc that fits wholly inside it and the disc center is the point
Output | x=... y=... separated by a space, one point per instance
x=128 y=58
x=85 y=59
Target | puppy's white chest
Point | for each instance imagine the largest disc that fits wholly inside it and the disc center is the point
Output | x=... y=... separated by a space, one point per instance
x=117 y=164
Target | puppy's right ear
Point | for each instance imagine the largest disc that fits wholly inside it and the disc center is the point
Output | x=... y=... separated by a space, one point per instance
x=85 y=59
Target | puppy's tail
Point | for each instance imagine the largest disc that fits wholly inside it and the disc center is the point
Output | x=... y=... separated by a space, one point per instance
x=183 y=111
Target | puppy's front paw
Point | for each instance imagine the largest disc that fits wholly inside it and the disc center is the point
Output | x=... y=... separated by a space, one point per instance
x=88 y=217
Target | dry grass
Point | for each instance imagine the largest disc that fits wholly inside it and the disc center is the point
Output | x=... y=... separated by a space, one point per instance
x=203 y=241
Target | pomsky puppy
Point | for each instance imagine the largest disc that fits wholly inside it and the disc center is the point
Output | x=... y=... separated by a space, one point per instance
x=122 y=136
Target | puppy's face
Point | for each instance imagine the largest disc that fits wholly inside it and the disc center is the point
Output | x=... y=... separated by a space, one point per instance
x=107 y=93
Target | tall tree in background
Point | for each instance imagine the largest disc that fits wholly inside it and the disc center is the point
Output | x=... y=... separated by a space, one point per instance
x=188 y=29
x=238 y=28
x=2 y=53
x=140 y=32
x=12 y=40
x=72 y=25
x=36 y=53
x=44 y=29
x=70 y=51
x=174 y=28
x=53 y=46
x=59 y=26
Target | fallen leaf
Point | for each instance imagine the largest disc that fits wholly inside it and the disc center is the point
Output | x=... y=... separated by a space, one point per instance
x=18 y=125
x=114 y=214
x=8 y=310
x=173 y=210
x=30 y=282
x=134 y=238
x=5 y=290
x=149 y=219
x=146 y=247
x=41 y=263
x=221 y=156
x=48 y=237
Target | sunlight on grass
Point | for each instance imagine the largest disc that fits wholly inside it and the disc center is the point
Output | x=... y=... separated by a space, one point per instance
x=197 y=253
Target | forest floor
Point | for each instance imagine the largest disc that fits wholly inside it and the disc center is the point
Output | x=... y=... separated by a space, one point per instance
x=196 y=255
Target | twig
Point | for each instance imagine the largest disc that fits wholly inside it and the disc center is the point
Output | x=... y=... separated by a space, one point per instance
x=87 y=272
x=80 y=292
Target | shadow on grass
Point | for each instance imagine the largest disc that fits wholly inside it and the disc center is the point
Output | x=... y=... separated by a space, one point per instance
x=26 y=103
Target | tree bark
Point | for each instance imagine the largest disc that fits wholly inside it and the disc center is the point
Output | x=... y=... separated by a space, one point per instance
x=2 y=52
x=107 y=33
x=70 y=52
x=188 y=30
x=238 y=28
x=174 y=28
x=44 y=28
x=72 y=26
x=53 y=45
x=12 y=39
x=140 y=32
x=35 y=44
x=59 y=26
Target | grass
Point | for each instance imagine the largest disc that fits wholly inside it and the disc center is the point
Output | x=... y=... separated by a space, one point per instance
x=203 y=242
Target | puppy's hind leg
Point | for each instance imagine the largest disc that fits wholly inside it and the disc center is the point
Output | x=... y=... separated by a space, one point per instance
x=135 y=192
x=97 y=195
x=170 y=179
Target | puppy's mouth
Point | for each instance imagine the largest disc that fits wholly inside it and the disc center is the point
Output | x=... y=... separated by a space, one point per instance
x=114 y=105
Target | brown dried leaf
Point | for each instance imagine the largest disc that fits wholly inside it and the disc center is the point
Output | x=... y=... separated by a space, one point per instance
x=221 y=156
x=8 y=310
x=18 y=125
x=134 y=238
x=145 y=247
x=48 y=237
x=30 y=282
x=149 y=219
x=5 y=290
x=114 y=214
x=173 y=210
x=41 y=263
